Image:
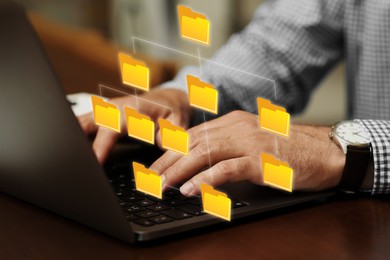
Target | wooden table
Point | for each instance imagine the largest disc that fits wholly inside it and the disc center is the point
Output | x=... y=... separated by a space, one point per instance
x=338 y=229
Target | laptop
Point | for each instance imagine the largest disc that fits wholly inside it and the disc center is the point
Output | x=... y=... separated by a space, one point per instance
x=47 y=160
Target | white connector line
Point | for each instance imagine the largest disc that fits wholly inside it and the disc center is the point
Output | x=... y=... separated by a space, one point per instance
x=132 y=39
x=136 y=98
x=208 y=146
x=212 y=62
x=204 y=122
x=206 y=60
x=135 y=90
x=128 y=94
x=200 y=63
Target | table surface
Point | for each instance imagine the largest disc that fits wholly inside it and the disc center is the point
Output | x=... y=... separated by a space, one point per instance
x=346 y=228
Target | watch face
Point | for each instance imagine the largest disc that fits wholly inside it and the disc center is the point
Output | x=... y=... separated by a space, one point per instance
x=352 y=132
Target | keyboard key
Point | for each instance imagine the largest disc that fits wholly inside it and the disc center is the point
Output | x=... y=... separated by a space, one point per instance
x=195 y=201
x=160 y=219
x=158 y=207
x=171 y=193
x=131 y=217
x=145 y=202
x=124 y=186
x=144 y=222
x=176 y=214
x=122 y=193
x=124 y=203
x=133 y=209
x=173 y=202
x=147 y=214
x=131 y=198
x=237 y=204
x=152 y=198
x=192 y=209
x=181 y=197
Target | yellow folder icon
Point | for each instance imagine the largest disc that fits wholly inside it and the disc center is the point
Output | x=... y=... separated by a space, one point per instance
x=276 y=173
x=193 y=26
x=139 y=126
x=273 y=118
x=147 y=181
x=173 y=137
x=202 y=94
x=215 y=202
x=134 y=73
x=106 y=114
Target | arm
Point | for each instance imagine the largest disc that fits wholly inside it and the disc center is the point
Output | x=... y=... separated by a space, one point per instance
x=294 y=43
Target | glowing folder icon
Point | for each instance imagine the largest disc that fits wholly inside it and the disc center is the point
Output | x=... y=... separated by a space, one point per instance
x=193 y=26
x=134 y=73
x=147 y=181
x=215 y=202
x=276 y=173
x=202 y=94
x=139 y=126
x=105 y=114
x=273 y=118
x=173 y=137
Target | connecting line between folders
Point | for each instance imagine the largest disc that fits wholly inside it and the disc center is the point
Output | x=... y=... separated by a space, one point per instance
x=101 y=87
x=134 y=38
x=200 y=59
x=204 y=123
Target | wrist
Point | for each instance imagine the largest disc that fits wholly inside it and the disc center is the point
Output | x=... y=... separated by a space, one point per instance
x=317 y=161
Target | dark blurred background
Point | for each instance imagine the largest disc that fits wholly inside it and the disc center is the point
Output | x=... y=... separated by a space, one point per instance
x=83 y=37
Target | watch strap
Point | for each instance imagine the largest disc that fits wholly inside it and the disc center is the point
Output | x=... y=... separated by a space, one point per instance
x=355 y=169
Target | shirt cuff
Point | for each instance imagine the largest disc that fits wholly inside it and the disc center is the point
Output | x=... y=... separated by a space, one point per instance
x=380 y=143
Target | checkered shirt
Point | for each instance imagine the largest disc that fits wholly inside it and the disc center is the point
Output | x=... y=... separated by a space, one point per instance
x=294 y=44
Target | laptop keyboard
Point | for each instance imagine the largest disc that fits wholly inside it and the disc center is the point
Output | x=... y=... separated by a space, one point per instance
x=148 y=211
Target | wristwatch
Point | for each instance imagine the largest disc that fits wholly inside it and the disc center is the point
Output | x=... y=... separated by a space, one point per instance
x=355 y=142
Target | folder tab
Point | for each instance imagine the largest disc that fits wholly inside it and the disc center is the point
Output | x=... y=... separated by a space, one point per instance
x=147 y=181
x=193 y=26
x=173 y=137
x=273 y=118
x=139 y=126
x=215 y=202
x=134 y=72
x=105 y=114
x=202 y=95
x=276 y=173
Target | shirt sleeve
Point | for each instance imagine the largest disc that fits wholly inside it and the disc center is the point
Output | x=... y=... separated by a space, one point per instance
x=281 y=55
x=379 y=131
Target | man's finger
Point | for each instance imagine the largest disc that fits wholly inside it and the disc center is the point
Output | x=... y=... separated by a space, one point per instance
x=199 y=158
x=87 y=123
x=104 y=141
x=238 y=169
x=165 y=161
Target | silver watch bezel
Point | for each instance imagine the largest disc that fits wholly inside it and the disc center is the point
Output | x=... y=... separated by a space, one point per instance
x=343 y=143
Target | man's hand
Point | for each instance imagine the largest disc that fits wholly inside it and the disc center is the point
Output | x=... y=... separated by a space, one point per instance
x=232 y=146
x=164 y=103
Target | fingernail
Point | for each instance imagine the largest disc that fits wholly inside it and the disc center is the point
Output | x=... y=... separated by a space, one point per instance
x=163 y=179
x=187 y=188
